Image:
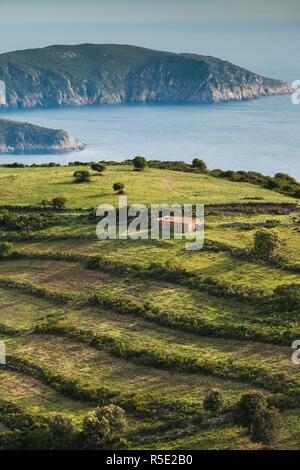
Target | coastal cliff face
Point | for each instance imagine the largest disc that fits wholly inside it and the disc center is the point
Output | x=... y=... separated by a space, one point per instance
x=95 y=74
x=26 y=138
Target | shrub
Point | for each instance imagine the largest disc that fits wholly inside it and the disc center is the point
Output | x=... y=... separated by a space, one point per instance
x=266 y=426
x=265 y=243
x=214 y=401
x=61 y=430
x=249 y=405
x=285 y=177
x=99 y=167
x=287 y=296
x=118 y=187
x=58 y=202
x=5 y=249
x=27 y=222
x=199 y=164
x=139 y=163
x=101 y=424
x=82 y=176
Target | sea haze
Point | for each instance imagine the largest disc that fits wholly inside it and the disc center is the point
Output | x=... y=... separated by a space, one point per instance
x=261 y=135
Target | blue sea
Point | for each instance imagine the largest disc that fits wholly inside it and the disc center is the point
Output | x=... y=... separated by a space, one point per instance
x=261 y=135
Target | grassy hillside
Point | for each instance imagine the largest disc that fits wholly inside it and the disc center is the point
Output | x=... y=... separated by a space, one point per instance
x=29 y=186
x=156 y=344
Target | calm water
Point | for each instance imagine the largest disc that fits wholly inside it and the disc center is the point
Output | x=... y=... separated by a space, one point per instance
x=261 y=135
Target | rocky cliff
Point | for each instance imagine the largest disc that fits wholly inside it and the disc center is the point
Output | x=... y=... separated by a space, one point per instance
x=27 y=138
x=94 y=74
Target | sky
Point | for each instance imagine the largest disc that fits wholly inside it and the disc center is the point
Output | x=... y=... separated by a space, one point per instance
x=21 y=11
x=262 y=35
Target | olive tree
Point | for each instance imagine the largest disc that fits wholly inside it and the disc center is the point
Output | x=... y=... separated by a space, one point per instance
x=139 y=163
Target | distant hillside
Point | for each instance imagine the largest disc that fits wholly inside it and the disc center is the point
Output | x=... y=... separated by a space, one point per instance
x=27 y=138
x=90 y=74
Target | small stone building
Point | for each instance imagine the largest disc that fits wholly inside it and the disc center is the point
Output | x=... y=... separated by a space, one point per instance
x=180 y=224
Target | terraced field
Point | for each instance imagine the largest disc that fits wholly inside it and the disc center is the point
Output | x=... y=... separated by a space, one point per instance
x=131 y=334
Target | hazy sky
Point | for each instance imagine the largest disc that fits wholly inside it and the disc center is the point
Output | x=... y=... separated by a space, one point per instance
x=20 y=11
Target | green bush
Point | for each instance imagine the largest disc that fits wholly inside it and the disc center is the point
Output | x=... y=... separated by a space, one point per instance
x=214 y=401
x=266 y=426
x=82 y=176
x=99 y=167
x=5 y=249
x=249 y=405
x=118 y=187
x=103 y=423
x=61 y=430
x=265 y=243
x=58 y=202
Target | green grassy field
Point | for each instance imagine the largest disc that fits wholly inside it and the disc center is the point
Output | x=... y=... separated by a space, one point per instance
x=32 y=185
x=22 y=311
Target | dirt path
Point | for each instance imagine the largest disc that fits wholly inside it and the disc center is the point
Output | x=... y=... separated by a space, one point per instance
x=168 y=186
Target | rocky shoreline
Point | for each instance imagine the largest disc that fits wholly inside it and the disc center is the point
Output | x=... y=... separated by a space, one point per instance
x=90 y=74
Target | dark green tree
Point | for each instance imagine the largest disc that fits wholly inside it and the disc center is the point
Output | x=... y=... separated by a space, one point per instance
x=99 y=167
x=139 y=163
x=249 y=405
x=214 y=401
x=118 y=187
x=82 y=176
x=199 y=164
x=266 y=426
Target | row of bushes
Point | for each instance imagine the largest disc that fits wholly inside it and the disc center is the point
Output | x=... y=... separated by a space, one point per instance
x=174 y=320
x=30 y=236
x=35 y=432
x=281 y=182
x=210 y=209
x=143 y=405
x=285 y=298
x=276 y=382
x=26 y=222
x=196 y=325
x=277 y=261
